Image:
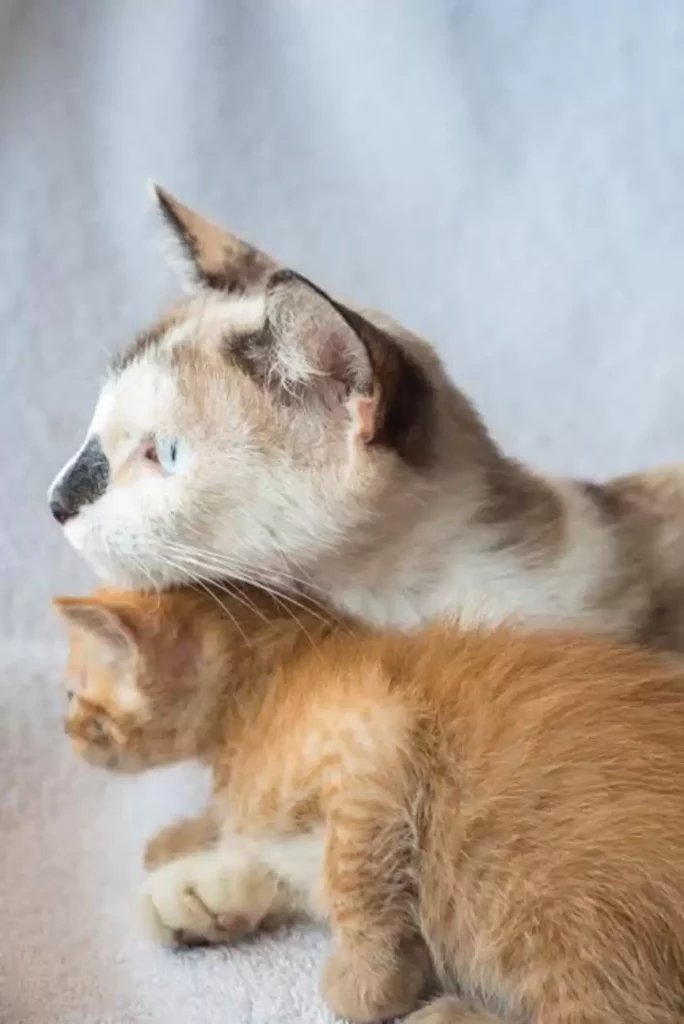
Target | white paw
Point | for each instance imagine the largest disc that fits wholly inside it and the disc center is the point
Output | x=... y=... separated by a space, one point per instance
x=206 y=897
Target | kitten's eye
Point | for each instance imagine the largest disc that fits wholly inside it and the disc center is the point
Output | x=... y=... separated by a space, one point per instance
x=70 y=695
x=167 y=452
x=98 y=727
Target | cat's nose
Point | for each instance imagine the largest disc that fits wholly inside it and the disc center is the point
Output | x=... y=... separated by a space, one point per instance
x=82 y=481
x=61 y=509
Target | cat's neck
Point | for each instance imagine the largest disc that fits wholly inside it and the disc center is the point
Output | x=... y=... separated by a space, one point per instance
x=490 y=542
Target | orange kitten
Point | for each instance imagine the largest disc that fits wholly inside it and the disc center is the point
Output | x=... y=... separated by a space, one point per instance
x=497 y=812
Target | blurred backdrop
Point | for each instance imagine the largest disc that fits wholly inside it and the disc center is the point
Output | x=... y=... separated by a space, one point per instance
x=507 y=178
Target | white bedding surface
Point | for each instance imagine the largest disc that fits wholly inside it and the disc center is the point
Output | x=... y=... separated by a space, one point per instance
x=505 y=178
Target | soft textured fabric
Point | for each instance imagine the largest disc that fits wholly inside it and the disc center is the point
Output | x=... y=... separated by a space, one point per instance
x=507 y=178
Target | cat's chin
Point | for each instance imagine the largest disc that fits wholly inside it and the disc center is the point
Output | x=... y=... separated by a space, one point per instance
x=126 y=576
x=115 y=573
x=127 y=572
x=125 y=580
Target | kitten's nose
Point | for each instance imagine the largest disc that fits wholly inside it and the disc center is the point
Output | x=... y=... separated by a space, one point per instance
x=61 y=509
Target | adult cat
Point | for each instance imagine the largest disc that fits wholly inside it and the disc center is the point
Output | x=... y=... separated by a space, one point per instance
x=264 y=431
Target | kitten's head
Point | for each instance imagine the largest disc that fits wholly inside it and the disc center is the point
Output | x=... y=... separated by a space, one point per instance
x=258 y=426
x=130 y=680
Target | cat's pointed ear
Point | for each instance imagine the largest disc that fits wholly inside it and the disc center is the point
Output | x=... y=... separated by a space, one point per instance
x=313 y=346
x=211 y=257
x=307 y=347
x=113 y=626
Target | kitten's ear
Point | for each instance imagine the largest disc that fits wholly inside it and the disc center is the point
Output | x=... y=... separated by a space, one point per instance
x=211 y=257
x=108 y=623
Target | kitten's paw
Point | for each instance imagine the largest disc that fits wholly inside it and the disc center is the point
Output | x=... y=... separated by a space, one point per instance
x=204 y=898
x=449 y=1011
x=362 y=986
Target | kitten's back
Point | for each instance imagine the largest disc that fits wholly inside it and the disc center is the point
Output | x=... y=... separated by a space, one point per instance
x=553 y=862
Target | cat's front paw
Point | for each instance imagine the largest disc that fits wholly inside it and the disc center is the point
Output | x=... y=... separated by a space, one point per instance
x=363 y=984
x=203 y=898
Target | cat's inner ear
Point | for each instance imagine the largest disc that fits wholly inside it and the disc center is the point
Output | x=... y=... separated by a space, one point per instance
x=210 y=256
x=108 y=624
x=308 y=348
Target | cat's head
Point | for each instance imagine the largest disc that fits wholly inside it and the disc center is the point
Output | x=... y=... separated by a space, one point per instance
x=130 y=680
x=258 y=426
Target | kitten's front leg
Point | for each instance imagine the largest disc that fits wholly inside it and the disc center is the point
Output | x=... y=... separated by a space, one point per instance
x=183 y=837
x=201 y=890
x=380 y=966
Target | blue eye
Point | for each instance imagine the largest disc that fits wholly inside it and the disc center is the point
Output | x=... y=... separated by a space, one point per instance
x=169 y=452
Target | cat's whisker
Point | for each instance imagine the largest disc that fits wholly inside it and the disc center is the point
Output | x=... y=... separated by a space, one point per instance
x=222 y=563
x=154 y=586
x=282 y=600
x=206 y=561
x=304 y=580
x=198 y=582
x=200 y=568
x=242 y=597
x=233 y=589
x=247 y=574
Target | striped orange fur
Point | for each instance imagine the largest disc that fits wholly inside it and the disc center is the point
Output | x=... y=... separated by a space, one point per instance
x=497 y=813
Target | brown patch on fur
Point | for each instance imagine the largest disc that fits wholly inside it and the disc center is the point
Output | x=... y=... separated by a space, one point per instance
x=252 y=353
x=656 y=498
x=511 y=802
x=607 y=500
x=221 y=260
x=663 y=624
x=147 y=341
x=645 y=512
x=630 y=582
x=404 y=400
x=527 y=512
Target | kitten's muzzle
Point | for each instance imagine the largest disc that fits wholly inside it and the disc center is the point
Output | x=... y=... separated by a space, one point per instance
x=80 y=483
